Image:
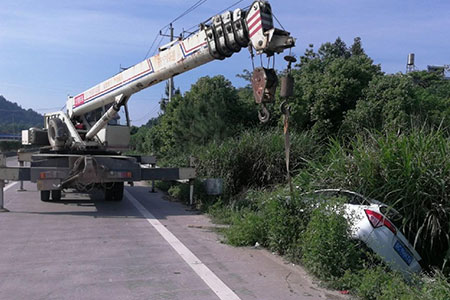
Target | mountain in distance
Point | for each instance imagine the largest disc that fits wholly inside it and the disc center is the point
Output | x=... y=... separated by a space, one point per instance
x=13 y=118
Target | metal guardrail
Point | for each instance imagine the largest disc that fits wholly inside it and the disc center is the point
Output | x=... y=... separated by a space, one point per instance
x=10 y=137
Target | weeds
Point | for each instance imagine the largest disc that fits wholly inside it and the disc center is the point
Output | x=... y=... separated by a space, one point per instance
x=326 y=247
x=253 y=160
x=409 y=171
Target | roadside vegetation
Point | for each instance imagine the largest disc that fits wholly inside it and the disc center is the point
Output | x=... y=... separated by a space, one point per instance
x=385 y=136
x=8 y=146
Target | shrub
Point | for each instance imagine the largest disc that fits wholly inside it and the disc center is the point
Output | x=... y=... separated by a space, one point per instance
x=248 y=228
x=326 y=247
x=275 y=217
x=436 y=287
x=219 y=212
x=376 y=282
x=286 y=218
x=181 y=191
x=164 y=185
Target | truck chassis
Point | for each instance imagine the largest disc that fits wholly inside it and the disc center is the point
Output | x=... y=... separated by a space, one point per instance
x=55 y=172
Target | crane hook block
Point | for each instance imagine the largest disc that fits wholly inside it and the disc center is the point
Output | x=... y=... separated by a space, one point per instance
x=264 y=83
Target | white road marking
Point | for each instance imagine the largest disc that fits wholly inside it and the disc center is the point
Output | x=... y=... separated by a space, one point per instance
x=215 y=284
x=9 y=186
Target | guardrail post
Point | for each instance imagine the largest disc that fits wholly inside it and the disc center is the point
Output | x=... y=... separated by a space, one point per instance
x=153 y=181
x=21 y=189
x=2 y=183
x=191 y=192
x=192 y=164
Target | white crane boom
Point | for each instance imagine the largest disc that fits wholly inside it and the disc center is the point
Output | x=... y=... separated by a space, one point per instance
x=227 y=34
x=224 y=35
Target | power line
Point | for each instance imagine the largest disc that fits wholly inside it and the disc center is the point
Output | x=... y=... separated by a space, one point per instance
x=152 y=111
x=160 y=41
x=234 y=4
x=189 y=10
x=278 y=21
x=186 y=12
x=151 y=46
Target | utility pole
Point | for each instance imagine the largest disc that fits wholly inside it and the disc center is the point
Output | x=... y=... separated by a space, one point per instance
x=170 y=80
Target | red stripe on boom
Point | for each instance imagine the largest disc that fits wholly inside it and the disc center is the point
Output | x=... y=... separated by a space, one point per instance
x=195 y=47
x=123 y=81
x=254 y=24
x=256 y=30
x=253 y=16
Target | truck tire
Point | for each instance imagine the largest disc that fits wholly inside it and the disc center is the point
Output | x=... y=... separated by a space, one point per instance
x=57 y=133
x=45 y=196
x=56 y=195
x=115 y=193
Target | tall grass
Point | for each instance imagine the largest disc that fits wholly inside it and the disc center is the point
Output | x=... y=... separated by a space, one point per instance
x=254 y=159
x=410 y=171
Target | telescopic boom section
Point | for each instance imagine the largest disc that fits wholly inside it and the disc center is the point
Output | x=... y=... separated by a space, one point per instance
x=226 y=34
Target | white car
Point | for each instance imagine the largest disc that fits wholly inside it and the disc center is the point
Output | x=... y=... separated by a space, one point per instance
x=372 y=222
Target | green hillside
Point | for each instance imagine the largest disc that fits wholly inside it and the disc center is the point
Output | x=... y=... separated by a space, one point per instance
x=13 y=118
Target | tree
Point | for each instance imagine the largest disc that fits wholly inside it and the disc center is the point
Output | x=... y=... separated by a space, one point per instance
x=328 y=84
x=211 y=110
x=397 y=102
x=433 y=94
x=386 y=104
x=246 y=75
x=13 y=118
x=164 y=100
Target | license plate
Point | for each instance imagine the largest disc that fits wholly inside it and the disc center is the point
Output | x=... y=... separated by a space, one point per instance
x=403 y=252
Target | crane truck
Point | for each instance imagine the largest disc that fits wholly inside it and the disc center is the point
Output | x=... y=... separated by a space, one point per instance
x=82 y=147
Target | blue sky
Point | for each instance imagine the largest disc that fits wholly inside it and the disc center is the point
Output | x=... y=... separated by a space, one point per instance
x=50 y=49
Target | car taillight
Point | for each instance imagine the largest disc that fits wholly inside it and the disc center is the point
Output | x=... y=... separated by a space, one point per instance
x=378 y=220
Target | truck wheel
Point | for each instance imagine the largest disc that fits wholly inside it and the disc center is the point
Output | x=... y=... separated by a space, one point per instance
x=45 y=196
x=115 y=193
x=56 y=195
x=57 y=133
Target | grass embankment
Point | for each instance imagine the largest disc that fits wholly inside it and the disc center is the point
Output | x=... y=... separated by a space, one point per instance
x=409 y=171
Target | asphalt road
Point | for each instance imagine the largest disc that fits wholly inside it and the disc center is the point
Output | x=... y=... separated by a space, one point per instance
x=144 y=247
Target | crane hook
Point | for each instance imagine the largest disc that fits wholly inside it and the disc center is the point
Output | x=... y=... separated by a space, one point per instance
x=263 y=114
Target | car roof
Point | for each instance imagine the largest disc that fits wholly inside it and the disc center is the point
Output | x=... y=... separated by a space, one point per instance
x=344 y=191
